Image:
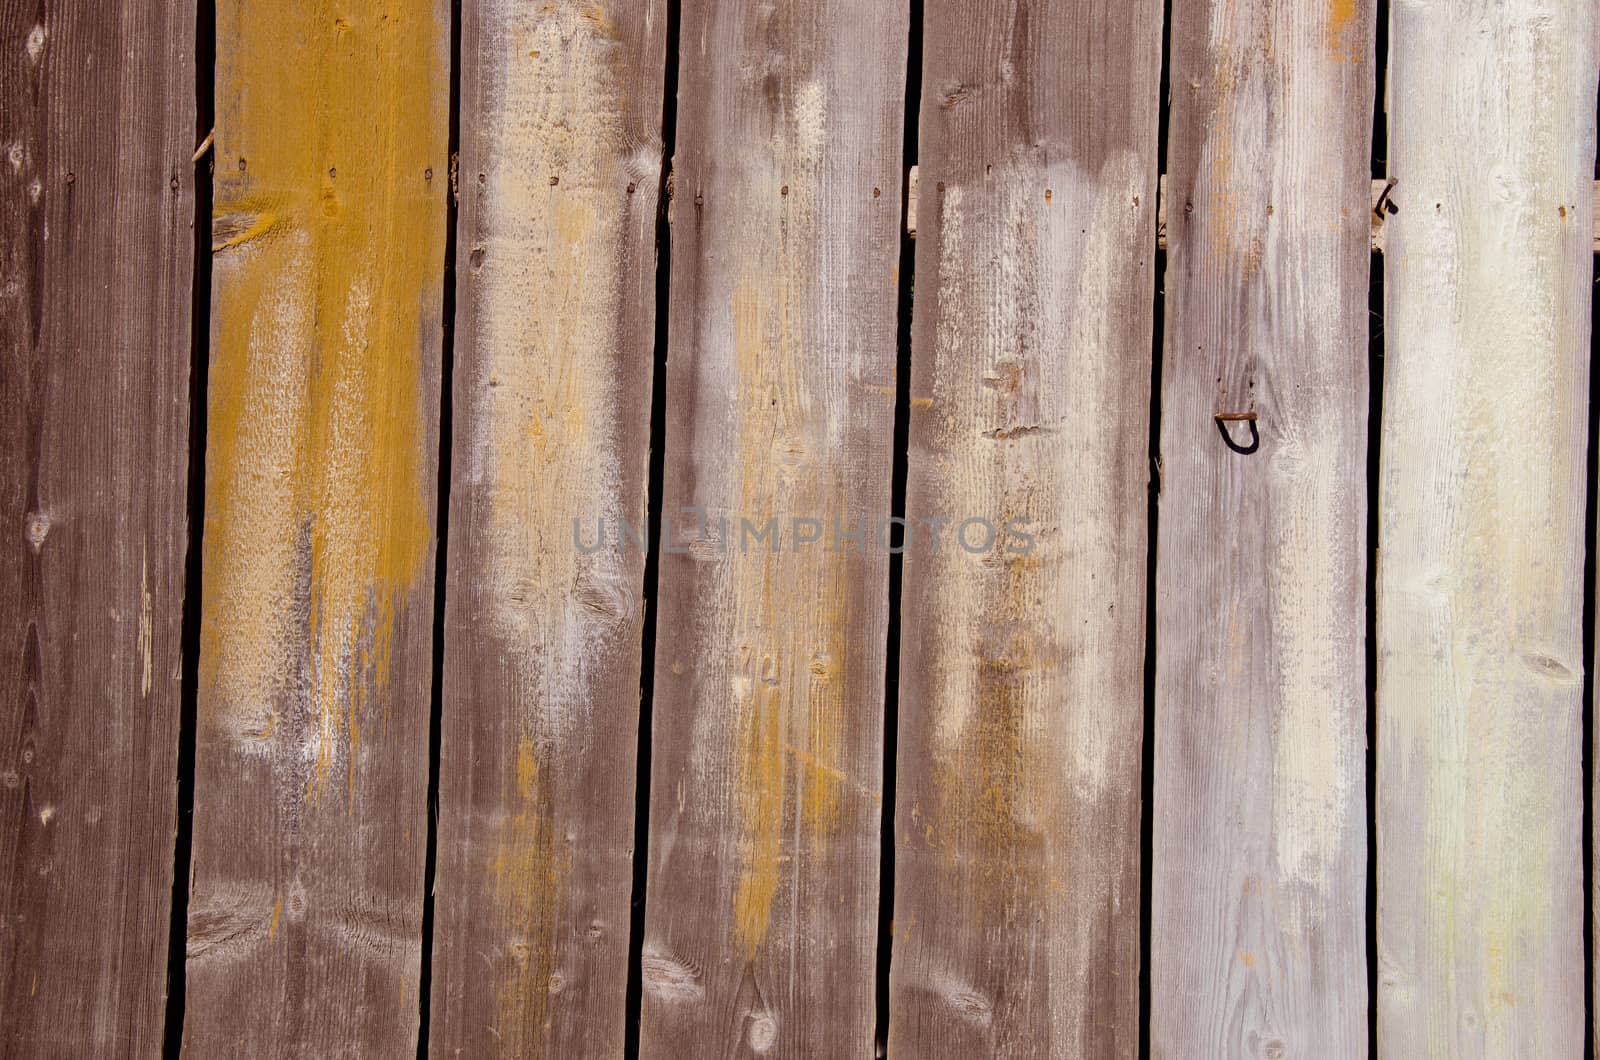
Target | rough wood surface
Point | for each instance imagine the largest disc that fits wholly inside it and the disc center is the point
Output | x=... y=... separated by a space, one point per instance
x=1488 y=287
x=561 y=169
x=315 y=655
x=767 y=761
x=1258 y=941
x=97 y=120
x=1016 y=916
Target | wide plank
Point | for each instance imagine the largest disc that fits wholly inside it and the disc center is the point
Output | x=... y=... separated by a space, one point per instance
x=1488 y=283
x=1016 y=913
x=767 y=754
x=1258 y=943
x=311 y=768
x=97 y=123
x=561 y=175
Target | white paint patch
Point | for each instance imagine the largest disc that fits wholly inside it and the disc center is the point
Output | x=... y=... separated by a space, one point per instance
x=46 y=813
x=669 y=979
x=547 y=325
x=35 y=44
x=969 y=1003
x=38 y=526
x=763 y=1032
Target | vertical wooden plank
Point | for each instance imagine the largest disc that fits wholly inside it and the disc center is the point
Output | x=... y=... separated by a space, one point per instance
x=1488 y=273
x=312 y=748
x=1258 y=945
x=768 y=724
x=97 y=121
x=1016 y=925
x=561 y=164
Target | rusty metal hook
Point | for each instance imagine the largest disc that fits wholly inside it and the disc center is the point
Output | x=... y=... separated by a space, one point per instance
x=1224 y=418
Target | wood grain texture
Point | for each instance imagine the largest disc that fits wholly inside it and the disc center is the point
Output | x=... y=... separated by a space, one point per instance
x=97 y=120
x=767 y=753
x=1488 y=289
x=1258 y=941
x=561 y=164
x=316 y=629
x=1016 y=918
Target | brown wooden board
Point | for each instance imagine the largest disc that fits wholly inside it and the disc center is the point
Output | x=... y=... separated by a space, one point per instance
x=310 y=822
x=1016 y=916
x=767 y=757
x=561 y=171
x=97 y=126
x=1488 y=285
x=1258 y=903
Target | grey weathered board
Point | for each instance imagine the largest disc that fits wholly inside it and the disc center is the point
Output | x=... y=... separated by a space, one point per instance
x=1258 y=933
x=1488 y=282
x=765 y=791
x=97 y=125
x=561 y=172
x=1016 y=914
x=311 y=774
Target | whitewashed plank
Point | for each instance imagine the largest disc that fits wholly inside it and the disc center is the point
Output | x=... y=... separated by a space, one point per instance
x=1487 y=283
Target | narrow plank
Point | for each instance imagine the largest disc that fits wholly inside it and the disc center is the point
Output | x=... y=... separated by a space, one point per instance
x=97 y=119
x=767 y=754
x=1258 y=883
x=1016 y=918
x=315 y=658
x=561 y=157
x=1488 y=288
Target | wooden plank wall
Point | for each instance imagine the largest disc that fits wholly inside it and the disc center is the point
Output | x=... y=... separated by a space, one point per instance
x=767 y=750
x=1022 y=698
x=555 y=324
x=1257 y=936
x=1481 y=506
x=310 y=825
x=1026 y=687
x=97 y=119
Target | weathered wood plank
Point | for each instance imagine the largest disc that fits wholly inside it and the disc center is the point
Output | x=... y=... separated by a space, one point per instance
x=561 y=164
x=315 y=655
x=767 y=756
x=1022 y=688
x=1258 y=944
x=97 y=121
x=1488 y=281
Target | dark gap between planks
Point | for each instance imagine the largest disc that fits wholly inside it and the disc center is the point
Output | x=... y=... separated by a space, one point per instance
x=205 y=62
x=1590 y=521
x=1374 y=464
x=441 y=563
x=897 y=503
x=1147 y=751
x=1375 y=350
x=652 y=564
x=1588 y=734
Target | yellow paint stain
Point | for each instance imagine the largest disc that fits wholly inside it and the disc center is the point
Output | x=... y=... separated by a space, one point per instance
x=1247 y=959
x=1340 y=14
x=272 y=925
x=329 y=251
x=527 y=873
